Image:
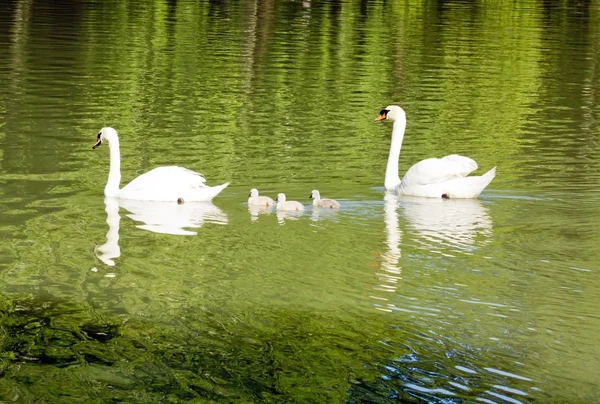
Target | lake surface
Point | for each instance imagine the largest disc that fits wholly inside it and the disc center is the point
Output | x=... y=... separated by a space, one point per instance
x=385 y=300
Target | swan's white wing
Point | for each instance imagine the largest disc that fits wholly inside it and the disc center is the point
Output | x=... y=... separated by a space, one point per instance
x=434 y=170
x=169 y=181
x=167 y=178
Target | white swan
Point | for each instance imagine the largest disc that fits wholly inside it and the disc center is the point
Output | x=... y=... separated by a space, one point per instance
x=166 y=184
x=433 y=177
x=323 y=203
x=255 y=200
x=283 y=204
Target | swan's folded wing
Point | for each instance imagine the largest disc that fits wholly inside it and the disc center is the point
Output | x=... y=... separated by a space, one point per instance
x=165 y=179
x=434 y=170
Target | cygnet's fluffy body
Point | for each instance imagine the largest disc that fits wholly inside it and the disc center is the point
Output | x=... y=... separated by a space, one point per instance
x=323 y=202
x=283 y=204
x=256 y=200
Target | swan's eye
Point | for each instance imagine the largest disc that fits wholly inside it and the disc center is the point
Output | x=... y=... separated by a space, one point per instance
x=384 y=112
x=99 y=135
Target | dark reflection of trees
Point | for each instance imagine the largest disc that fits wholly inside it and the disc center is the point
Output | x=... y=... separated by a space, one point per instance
x=264 y=29
x=334 y=15
x=571 y=7
x=52 y=332
x=218 y=8
x=259 y=25
x=364 y=7
x=569 y=85
x=6 y=20
x=201 y=357
x=54 y=24
x=171 y=20
x=444 y=26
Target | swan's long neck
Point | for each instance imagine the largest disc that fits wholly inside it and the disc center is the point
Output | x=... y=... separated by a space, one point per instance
x=392 y=180
x=114 y=175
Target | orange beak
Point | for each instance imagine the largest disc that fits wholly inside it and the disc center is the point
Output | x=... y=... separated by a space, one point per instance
x=380 y=117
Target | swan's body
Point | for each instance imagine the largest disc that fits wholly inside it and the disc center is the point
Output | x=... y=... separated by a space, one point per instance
x=323 y=202
x=433 y=177
x=283 y=204
x=166 y=184
x=256 y=200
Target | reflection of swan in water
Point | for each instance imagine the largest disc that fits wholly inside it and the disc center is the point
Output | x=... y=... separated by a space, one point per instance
x=454 y=222
x=255 y=210
x=173 y=218
x=158 y=217
x=457 y=223
x=109 y=250
x=390 y=270
x=393 y=254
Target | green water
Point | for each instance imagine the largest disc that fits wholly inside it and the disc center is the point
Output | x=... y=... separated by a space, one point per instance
x=385 y=300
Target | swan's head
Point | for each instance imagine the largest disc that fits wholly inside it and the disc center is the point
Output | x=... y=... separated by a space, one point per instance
x=391 y=112
x=315 y=194
x=280 y=198
x=105 y=134
x=253 y=193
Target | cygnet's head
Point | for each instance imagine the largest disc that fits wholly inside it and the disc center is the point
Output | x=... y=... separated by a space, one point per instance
x=391 y=112
x=253 y=193
x=315 y=194
x=280 y=198
x=108 y=134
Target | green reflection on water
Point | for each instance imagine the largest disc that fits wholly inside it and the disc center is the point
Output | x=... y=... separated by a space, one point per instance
x=195 y=354
x=369 y=303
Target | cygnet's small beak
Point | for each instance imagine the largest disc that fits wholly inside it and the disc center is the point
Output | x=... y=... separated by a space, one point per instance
x=310 y=196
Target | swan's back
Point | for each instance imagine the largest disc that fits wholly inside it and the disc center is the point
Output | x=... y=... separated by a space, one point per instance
x=168 y=184
x=435 y=170
x=457 y=187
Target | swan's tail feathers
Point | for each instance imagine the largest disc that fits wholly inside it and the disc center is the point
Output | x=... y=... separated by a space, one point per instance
x=216 y=190
x=468 y=187
x=485 y=180
x=489 y=176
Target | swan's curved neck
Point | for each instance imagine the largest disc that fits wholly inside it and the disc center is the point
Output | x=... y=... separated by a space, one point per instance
x=392 y=180
x=114 y=175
